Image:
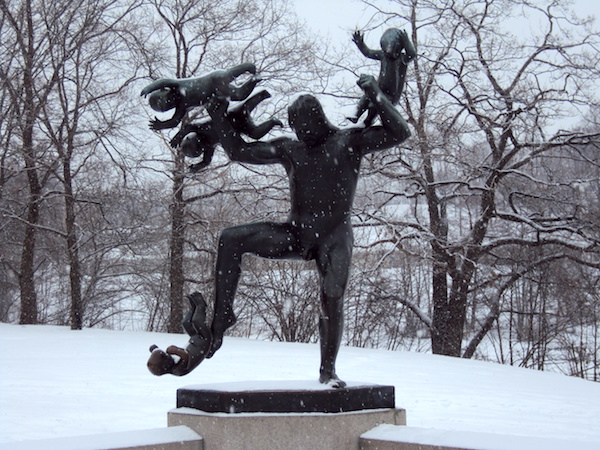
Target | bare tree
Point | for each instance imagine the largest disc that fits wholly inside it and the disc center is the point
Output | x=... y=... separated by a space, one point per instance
x=278 y=300
x=66 y=53
x=86 y=109
x=27 y=80
x=8 y=171
x=489 y=110
x=201 y=36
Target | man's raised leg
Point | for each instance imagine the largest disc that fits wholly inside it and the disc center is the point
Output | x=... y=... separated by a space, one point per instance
x=269 y=240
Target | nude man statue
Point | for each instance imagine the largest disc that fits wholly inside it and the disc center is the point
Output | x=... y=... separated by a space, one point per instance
x=322 y=167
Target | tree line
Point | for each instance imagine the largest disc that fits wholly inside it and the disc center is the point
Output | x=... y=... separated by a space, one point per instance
x=478 y=237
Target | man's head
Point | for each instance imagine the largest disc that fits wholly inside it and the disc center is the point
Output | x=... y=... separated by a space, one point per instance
x=307 y=119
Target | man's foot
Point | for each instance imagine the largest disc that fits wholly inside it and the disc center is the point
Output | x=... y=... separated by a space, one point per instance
x=217 y=341
x=332 y=381
x=218 y=330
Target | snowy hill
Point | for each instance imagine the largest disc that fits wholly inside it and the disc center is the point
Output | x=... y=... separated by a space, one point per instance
x=56 y=382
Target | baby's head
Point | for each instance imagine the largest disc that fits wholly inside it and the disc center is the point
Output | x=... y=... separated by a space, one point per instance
x=198 y=142
x=194 y=146
x=163 y=99
x=160 y=362
x=392 y=43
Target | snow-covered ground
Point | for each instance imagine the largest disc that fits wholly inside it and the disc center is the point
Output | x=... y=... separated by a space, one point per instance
x=56 y=382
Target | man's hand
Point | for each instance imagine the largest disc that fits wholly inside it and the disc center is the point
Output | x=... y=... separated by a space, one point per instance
x=366 y=81
x=391 y=120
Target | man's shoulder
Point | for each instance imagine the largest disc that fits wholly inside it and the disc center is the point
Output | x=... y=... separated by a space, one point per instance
x=346 y=135
x=286 y=147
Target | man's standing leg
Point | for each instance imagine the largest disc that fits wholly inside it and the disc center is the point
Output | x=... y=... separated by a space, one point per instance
x=333 y=264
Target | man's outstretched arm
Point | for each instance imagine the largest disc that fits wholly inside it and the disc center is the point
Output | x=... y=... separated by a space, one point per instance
x=393 y=129
x=258 y=152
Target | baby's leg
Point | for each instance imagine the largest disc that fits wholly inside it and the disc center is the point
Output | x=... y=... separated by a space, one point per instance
x=253 y=101
x=187 y=320
x=199 y=316
x=258 y=131
x=362 y=106
x=242 y=92
x=236 y=71
x=370 y=117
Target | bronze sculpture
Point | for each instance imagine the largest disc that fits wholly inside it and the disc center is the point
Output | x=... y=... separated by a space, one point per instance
x=195 y=140
x=322 y=165
x=397 y=51
x=183 y=94
x=194 y=323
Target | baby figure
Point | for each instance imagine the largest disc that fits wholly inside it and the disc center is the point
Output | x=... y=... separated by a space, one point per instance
x=396 y=52
x=185 y=93
x=195 y=140
x=179 y=361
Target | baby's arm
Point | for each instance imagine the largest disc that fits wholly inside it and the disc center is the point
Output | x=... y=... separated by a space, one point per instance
x=411 y=52
x=242 y=92
x=357 y=38
x=157 y=124
x=238 y=70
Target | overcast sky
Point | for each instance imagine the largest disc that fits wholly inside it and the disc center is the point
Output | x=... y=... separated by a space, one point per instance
x=337 y=18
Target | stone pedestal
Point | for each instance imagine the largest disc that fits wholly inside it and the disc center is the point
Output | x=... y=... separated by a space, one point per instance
x=290 y=415
x=171 y=438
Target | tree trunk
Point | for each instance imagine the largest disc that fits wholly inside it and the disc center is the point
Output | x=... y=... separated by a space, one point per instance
x=176 y=271
x=76 y=314
x=29 y=312
x=439 y=335
x=448 y=323
x=449 y=316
